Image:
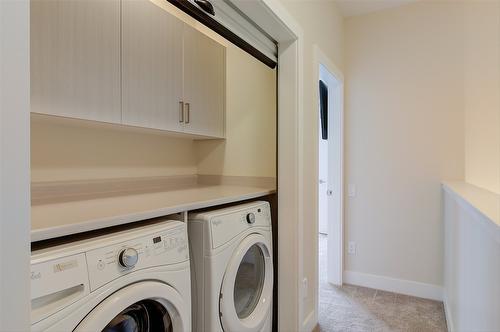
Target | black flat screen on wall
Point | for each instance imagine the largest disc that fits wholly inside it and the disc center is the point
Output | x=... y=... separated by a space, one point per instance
x=323 y=109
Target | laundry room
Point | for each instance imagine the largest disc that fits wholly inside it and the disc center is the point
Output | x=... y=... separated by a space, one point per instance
x=143 y=150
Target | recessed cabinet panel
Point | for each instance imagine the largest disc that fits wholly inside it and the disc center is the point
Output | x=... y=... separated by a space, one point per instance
x=75 y=53
x=204 y=84
x=151 y=66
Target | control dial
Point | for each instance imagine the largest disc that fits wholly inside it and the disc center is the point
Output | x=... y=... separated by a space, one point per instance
x=128 y=257
x=250 y=218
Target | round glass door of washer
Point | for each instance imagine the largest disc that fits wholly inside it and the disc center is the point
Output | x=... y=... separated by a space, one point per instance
x=146 y=306
x=143 y=316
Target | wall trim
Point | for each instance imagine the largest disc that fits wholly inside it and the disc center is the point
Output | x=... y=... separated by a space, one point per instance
x=447 y=314
x=273 y=18
x=310 y=322
x=401 y=286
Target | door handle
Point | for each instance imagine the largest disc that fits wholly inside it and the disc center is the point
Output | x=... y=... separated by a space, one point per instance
x=188 y=108
x=321 y=181
x=181 y=111
x=329 y=192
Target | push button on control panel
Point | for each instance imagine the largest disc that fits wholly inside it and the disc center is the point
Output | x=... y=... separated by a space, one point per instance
x=100 y=265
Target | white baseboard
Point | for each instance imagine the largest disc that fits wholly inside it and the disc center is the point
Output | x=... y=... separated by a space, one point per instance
x=310 y=322
x=447 y=314
x=408 y=287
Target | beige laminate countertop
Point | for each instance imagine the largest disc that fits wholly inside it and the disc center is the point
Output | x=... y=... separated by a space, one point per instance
x=65 y=218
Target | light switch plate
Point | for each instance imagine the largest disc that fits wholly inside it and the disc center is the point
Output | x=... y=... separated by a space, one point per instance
x=351 y=250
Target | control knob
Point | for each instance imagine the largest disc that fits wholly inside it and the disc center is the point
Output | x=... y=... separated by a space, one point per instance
x=250 y=218
x=128 y=257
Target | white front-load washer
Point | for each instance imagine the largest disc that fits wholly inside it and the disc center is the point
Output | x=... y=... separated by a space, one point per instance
x=131 y=280
x=232 y=268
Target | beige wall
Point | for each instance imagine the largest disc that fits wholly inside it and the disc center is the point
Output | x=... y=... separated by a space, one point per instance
x=69 y=151
x=322 y=25
x=404 y=134
x=249 y=148
x=63 y=150
x=482 y=94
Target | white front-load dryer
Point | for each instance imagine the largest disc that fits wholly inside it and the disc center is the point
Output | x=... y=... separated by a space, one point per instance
x=232 y=268
x=131 y=280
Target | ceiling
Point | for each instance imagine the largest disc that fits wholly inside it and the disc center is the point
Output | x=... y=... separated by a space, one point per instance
x=360 y=7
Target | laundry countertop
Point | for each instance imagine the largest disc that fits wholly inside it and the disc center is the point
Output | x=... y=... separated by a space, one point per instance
x=65 y=218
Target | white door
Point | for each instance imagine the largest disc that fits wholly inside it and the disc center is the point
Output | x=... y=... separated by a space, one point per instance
x=144 y=306
x=151 y=66
x=247 y=287
x=323 y=162
x=75 y=59
x=204 y=84
x=332 y=161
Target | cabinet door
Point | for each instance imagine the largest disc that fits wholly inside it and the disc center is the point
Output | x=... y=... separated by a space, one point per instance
x=204 y=84
x=151 y=66
x=75 y=59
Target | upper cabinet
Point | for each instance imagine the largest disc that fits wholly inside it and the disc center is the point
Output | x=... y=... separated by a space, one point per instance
x=138 y=66
x=204 y=83
x=75 y=59
x=151 y=66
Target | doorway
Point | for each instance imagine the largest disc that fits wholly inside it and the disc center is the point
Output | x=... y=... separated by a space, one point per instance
x=329 y=85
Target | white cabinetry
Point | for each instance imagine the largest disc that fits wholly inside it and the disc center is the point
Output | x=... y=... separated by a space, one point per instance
x=204 y=84
x=151 y=66
x=138 y=65
x=75 y=59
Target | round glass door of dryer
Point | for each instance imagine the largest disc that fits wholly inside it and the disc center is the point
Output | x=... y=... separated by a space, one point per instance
x=249 y=281
x=247 y=287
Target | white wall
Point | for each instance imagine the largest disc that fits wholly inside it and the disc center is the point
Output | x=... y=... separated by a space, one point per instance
x=404 y=134
x=322 y=25
x=472 y=265
x=14 y=166
x=482 y=94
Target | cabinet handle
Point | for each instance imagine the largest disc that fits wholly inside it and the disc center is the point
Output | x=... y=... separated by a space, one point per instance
x=188 y=108
x=181 y=111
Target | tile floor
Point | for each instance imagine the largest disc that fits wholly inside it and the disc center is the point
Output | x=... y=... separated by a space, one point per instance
x=353 y=308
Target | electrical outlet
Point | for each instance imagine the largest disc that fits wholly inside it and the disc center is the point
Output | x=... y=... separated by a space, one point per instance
x=351 y=250
x=351 y=190
x=305 y=287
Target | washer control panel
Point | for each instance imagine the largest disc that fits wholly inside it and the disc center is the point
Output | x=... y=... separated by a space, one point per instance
x=159 y=249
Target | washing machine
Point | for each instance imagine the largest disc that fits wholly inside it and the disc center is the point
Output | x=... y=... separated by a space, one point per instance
x=232 y=268
x=136 y=279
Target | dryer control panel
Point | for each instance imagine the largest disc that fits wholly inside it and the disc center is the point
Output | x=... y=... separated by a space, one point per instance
x=159 y=249
x=227 y=225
